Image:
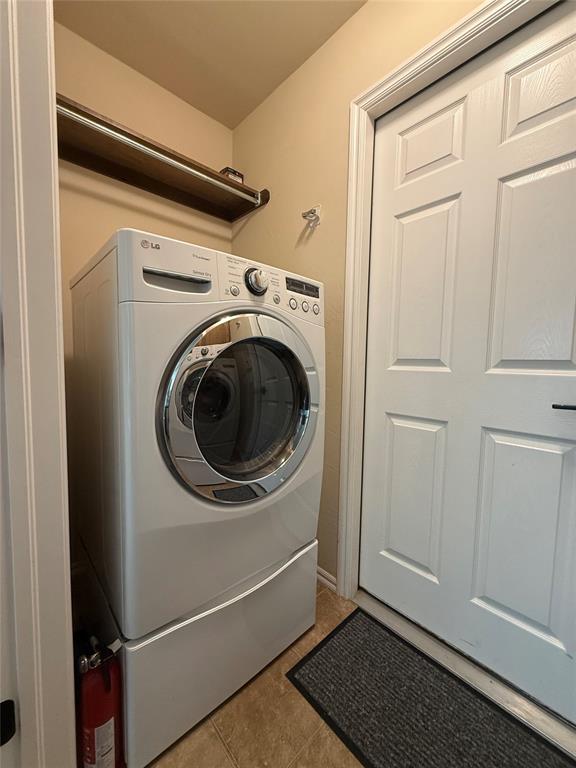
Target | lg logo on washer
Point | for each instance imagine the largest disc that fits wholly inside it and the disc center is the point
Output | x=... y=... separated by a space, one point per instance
x=149 y=244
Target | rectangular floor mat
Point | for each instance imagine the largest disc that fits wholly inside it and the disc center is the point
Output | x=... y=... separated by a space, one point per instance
x=394 y=707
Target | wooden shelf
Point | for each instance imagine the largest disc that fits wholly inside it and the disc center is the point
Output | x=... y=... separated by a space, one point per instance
x=92 y=141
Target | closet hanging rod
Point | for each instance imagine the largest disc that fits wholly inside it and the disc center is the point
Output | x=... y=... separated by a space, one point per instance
x=89 y=122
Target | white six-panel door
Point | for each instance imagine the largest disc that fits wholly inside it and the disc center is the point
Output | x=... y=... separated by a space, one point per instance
x=469 y=498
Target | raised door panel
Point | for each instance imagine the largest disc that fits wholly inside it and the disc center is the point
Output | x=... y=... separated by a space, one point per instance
x=541 y=90
x=525 y=546
x=431 y=144
x=415 y=451
x=534 y=297
x=423 y=286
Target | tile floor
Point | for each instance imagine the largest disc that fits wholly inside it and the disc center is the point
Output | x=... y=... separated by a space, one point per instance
x=268 y=724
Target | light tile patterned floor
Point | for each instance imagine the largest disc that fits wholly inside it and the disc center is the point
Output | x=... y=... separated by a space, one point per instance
x=268 y=724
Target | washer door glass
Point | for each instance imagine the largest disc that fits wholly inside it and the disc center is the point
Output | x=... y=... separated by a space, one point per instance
x=249 y=408
x=237 y=407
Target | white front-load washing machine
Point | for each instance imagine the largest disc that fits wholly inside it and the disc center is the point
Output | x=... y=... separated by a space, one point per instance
x=197 y=431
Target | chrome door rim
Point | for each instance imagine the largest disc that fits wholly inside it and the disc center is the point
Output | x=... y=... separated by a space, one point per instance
x=177 y=440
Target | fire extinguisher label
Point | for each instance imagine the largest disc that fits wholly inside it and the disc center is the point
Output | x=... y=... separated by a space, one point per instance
x=99 y=746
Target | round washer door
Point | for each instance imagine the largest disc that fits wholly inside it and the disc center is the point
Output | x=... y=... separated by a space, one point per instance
x=238 y=408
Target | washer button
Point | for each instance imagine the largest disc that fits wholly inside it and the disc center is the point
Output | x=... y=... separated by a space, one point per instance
x=293 y=303
x=234 y=290
x=316 y=309
x=276 y=298
x=305 y=306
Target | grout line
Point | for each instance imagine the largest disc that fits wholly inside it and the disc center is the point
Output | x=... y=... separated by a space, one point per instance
x=305 y=745
x=294 y=650
x=223 y=742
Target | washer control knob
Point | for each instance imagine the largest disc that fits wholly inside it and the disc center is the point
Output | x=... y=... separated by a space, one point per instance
x=256 y=280
x=234 y=290
x=276 y=298
x=316 y=309
x=305 y=306
x=204 y=351
x=293 y=303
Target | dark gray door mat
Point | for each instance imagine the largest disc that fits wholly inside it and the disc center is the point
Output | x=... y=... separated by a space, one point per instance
x=394 y=707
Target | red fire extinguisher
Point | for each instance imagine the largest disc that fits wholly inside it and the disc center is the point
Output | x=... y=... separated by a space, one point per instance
x=100 y=709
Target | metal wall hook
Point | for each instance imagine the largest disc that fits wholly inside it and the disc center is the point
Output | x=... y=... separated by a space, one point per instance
x=312 y=216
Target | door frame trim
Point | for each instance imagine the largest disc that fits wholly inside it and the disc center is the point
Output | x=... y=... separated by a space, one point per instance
x=34 y=468
x=486 y=25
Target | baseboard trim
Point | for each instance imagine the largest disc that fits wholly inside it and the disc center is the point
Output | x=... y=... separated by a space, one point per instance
x=326 y=578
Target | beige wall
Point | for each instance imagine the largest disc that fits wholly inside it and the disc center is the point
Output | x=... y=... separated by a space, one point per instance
x=296 y=144
x=92 y=206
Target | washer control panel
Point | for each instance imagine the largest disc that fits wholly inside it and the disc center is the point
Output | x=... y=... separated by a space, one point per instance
x=258 y=284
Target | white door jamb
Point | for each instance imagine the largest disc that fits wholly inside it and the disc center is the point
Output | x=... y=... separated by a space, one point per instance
x=33 y=362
